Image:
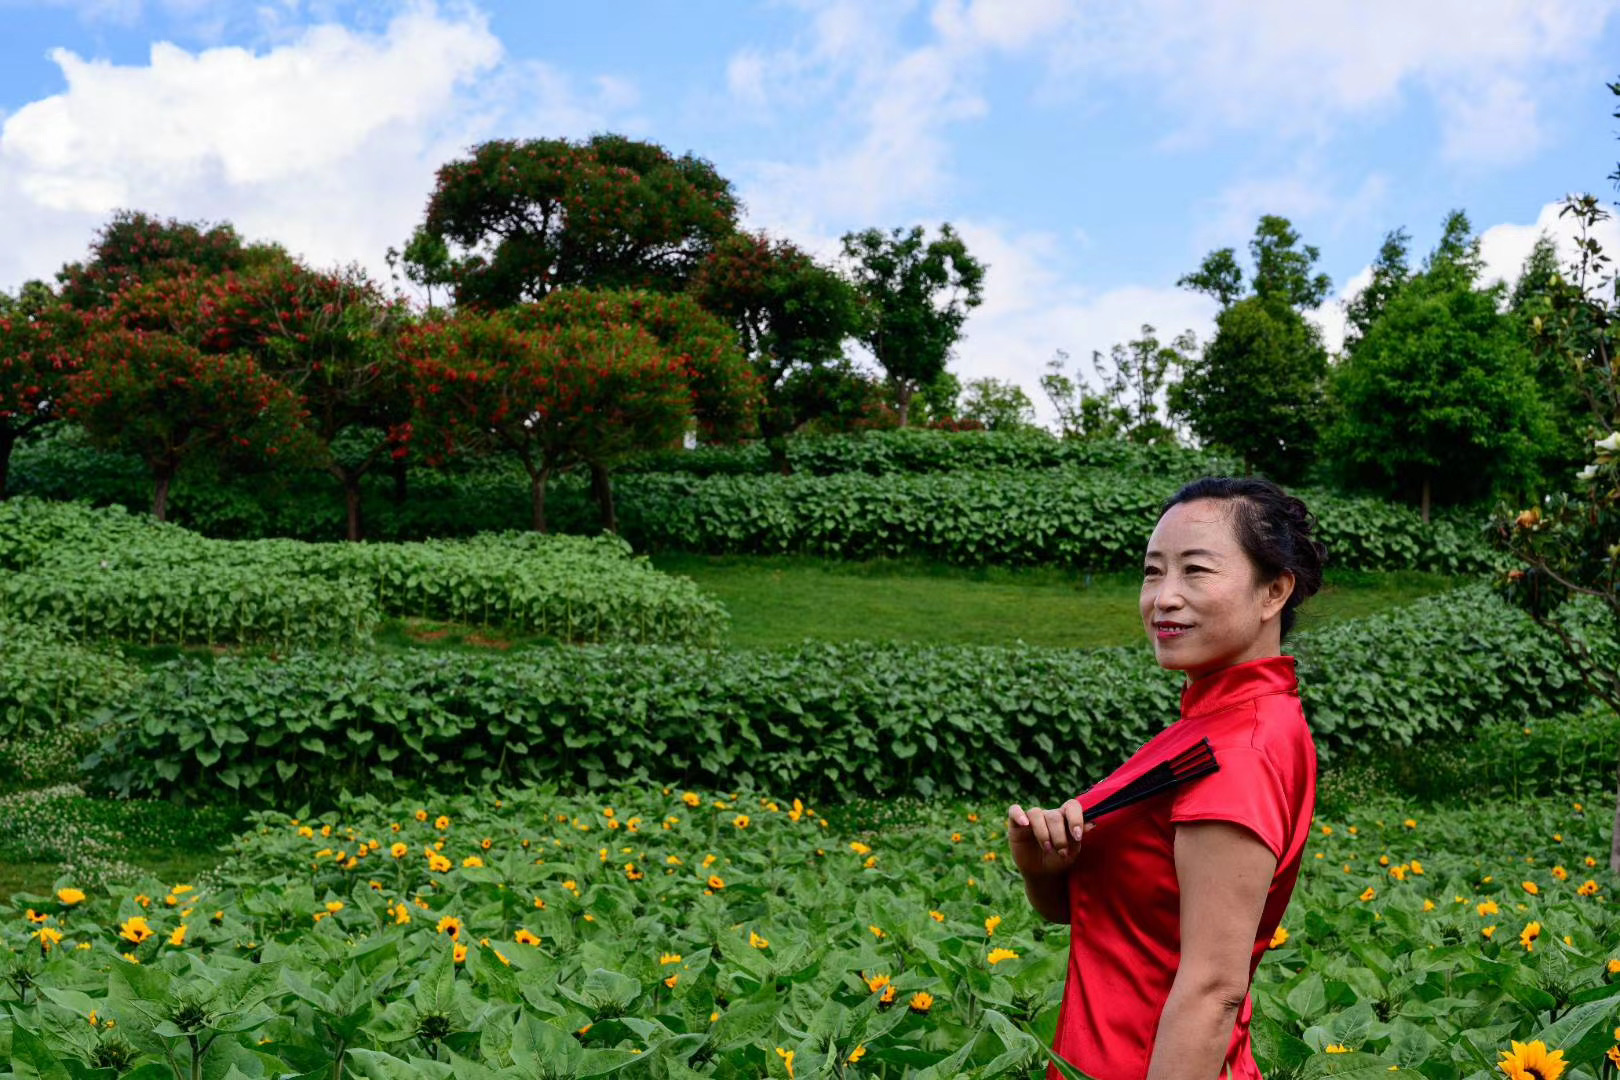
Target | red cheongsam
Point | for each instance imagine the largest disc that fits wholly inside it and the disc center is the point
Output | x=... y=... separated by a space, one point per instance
x=1124 y=901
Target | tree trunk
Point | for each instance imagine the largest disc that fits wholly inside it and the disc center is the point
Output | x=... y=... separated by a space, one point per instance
x=537 y=497
x=777 y=445
x=8 y=439
x=351 y=506
x=1427 y=492
x=161 y=478
x=602 y=488
x=902 y=399
x=399 y=469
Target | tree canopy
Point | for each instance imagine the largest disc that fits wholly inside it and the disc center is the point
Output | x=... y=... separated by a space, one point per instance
x=517 y=219
x=918 y=293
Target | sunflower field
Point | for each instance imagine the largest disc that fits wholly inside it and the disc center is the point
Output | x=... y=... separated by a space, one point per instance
x=668 y=933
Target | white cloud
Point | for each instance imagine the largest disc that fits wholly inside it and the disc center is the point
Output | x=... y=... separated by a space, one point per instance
x=326 y=143
x=1505 y=247
x=1300 y=69
x=1031 y=310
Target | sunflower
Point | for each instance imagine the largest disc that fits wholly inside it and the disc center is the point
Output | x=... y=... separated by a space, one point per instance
x=1532 y=1062
x=135 y=929
x=998 y=955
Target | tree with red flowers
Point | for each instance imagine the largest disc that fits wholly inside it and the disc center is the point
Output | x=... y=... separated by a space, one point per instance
x=328 y=337
x=554 y=397
x=725 y=393
x=35 y=361
x=518 y=219
x=165 y=401
x=134 y=247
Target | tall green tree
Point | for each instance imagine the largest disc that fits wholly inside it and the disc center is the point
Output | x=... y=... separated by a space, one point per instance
x=791 y=315
x=517 y=219
x=1082 y=412
x=1256 y=387
x=1437 y=400
x=1138 y=373
x=998 y=404
x=918 y=293
x=1557 y=381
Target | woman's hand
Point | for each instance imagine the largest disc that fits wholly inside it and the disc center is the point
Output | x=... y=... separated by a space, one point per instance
x=1045 y=842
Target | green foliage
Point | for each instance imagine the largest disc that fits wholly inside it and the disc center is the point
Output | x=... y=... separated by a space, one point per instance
x=1436 y=399
x=165 y=402
x=1091 y=520
x=918 y=295
x=791 y=316
x=998 y=404
x=818 y=719
x=109 y=575
x=745 y=929
x=49 y=679
x=1255 y=389
x=516 y=219
x=1570 y=545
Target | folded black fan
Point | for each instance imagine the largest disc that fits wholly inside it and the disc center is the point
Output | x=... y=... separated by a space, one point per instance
x=1196 y=761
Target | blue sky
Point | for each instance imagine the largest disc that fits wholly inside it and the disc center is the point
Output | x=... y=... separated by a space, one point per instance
x=1090 y=152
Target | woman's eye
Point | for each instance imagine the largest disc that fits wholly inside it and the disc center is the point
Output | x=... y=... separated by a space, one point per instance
x=1195 y=569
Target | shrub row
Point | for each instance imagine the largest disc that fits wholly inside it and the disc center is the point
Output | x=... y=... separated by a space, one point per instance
x=48 y=680
x=821 y=720
x=112 y=575
x=1086 y=520
x=922 y=450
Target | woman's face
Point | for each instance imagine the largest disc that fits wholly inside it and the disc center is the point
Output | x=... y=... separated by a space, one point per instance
x=1202 y=605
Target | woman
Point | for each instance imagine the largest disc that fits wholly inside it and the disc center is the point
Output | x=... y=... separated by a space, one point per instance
x=1172 y=900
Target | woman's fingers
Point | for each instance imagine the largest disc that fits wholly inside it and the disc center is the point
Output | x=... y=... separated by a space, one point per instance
x=1016 y=816
x=1074 y=817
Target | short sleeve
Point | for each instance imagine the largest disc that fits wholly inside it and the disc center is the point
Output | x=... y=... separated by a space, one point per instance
x=1246 y=790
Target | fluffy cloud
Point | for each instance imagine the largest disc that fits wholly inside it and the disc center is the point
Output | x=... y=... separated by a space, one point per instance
x=1032 y=309
x=326 y=143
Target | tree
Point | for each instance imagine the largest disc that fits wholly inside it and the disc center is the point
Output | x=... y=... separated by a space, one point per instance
x=135 y=247
x=918 y=295
x=517 y=219
x=327 y=336
x=1569 y=545
x=1560 y=389
x=938 y=401
x=1437 y=399
x=1140 y=370
x=1082 y=414
x=1389 y=273
x=722 y=391
x=36 y=358
x=791 y=316
x=998 y=404
x=554 y=398
x=1256 y=387
x=164 y=401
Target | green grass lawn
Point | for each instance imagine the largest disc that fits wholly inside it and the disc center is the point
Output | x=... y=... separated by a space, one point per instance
x=780 y=600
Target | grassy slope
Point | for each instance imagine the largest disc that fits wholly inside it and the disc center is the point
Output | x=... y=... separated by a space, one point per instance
x=778 y=601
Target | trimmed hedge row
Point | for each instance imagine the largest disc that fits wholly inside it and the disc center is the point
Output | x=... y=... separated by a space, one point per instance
x=922 y=450
x=820 y=720
x=1085 y=520
x=114 y=576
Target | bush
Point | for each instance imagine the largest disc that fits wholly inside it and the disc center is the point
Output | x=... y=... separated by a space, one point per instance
x=1088 y=520
x=921 y=450
x=821 y=720
x=111 y=575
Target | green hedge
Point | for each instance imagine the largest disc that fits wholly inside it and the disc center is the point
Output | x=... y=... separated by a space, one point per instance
x=48 y=680
x=1095 y=513
x=922 y=450
x=115 y=576
x=820 y=720
x=1087 y=520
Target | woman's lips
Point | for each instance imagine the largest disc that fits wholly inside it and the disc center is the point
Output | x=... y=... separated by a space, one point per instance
x=1168 y=633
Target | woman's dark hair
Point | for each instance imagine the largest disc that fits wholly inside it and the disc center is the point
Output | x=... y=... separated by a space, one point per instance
x=1274 y=529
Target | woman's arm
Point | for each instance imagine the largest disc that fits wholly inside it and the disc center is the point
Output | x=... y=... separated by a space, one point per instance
x=1049 y=896
x=1224 y=872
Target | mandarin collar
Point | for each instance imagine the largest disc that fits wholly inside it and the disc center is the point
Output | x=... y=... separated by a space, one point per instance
x=1240 y=682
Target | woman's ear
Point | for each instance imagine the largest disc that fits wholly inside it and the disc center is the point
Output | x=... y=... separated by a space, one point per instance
x=1277 y=594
